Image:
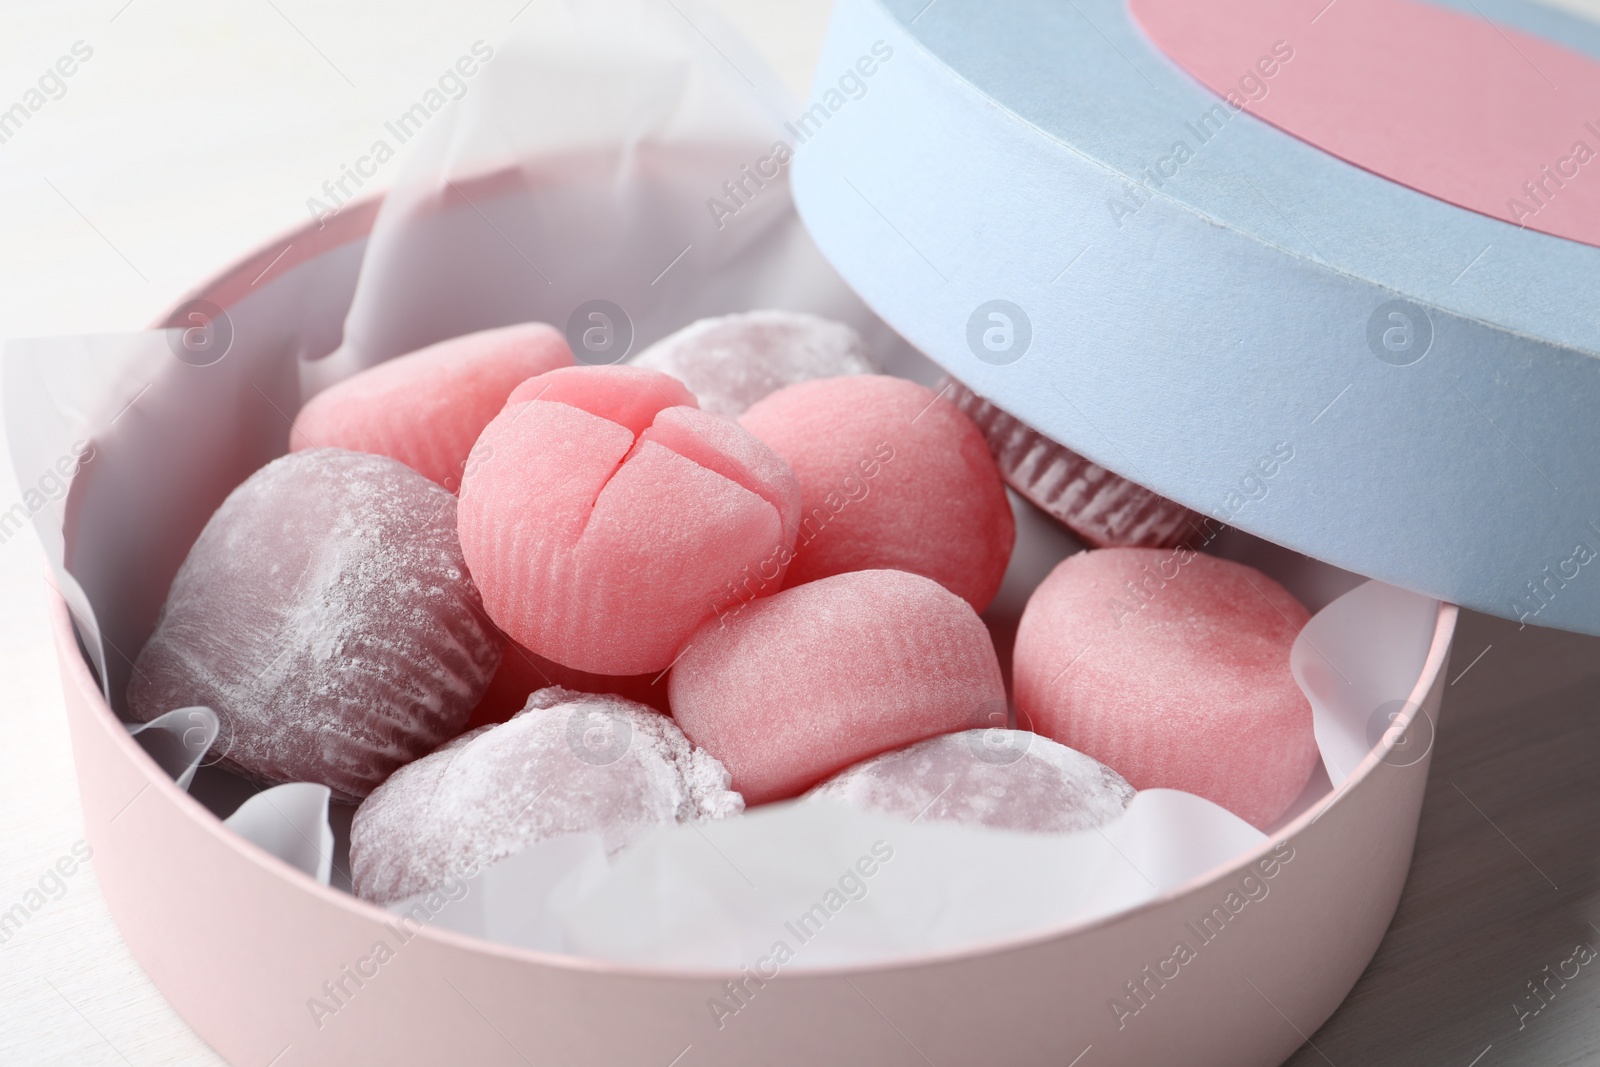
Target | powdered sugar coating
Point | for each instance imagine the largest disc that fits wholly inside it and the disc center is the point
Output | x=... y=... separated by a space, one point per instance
x=326 y=614
x=731 y=362
x=1172 y=667
x=426 y=408
x=999 y=778
x=567 y=763
x=797 y=686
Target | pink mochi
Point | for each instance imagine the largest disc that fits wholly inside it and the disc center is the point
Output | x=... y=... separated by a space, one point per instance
x=625 y=395
x=1173 y=668
x=327 y=617
x=604 y=517
x=891 y=476
x=426 y=409
x=794 y=687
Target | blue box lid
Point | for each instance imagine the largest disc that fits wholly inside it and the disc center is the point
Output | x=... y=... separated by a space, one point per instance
x=1001 y=185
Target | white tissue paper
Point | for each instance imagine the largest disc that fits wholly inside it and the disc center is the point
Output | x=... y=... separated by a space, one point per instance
x=587 y=164
x=61 y=393
x=291 y=822
x=625 y=151
x=179 y=740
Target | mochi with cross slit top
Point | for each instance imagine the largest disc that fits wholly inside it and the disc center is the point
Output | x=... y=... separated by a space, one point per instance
x=609 y=516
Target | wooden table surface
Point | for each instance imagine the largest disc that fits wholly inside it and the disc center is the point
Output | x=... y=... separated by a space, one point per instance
x=198 y=131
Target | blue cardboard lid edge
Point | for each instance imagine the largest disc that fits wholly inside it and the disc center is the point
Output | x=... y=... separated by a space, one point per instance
x=1426 y=448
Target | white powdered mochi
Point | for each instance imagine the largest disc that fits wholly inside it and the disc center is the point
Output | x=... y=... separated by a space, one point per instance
x=326 y=615
x=566 y=763
x=729 y=363
x=1003 y=779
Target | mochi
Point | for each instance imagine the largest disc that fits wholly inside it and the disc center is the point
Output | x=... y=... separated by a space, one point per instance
x=731 y=362
x=326 y=615
x=891 y=476
x=427 y=408
x=567 y=763
x=1172 y=667
x=795 y=687
x=999 y=778
x=604 y=517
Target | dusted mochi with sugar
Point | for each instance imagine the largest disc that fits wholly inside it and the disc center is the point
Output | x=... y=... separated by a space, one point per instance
x=731 y=362
x=426 y=408
x=1101 y=508
x=1173 y=668
x=794 y=687
x=997 y=778
x=891 y=476
x=326 y=615
x=523 y=673
x=567 y=763
x=604 y=517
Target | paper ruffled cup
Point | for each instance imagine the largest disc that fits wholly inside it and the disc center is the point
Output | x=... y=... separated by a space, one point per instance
x=1105 y=510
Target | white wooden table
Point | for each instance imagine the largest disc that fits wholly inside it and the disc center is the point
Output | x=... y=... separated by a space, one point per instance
x=196 y=131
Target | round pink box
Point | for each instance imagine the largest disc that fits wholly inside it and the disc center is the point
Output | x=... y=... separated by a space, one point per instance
x=239 y=941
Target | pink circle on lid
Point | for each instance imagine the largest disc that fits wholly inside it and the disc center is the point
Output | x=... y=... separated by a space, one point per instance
x=1479 y=115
